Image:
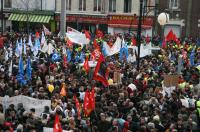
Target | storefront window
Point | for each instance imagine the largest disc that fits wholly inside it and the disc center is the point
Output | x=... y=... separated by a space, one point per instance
x=112 y=5
x=68 y=5
x=7 y=3
x=82 y=5
x=173 y=4
x=97 y=5
x=127 y=6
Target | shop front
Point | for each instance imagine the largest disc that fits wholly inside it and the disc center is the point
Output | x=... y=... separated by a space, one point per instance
x=31 y=22
x=128 y=23
x=83 y=21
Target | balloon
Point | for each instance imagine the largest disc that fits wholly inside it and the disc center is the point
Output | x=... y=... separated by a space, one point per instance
x=163 y=18
x=110 y=81
x=50 y=88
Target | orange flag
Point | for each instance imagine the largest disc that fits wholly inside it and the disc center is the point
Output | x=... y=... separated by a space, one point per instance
x=86 y=65
x=78 y=107
x=57 y=126
x=63 y=90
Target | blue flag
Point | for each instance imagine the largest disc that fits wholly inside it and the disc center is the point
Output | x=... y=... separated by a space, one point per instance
x=28 y=69
x=192 y=56
x=104 y=51
x=123 y=51
x=55 y=57
x=69 y=55
x=20 y=76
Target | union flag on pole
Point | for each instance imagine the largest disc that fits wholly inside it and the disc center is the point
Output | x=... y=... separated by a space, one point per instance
x=57 y=126
x=78 y=107
x=100 y=71
x=89 y=102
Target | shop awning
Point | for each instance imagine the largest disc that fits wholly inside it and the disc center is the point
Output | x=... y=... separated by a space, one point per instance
x=128 y=26
x=31 y=18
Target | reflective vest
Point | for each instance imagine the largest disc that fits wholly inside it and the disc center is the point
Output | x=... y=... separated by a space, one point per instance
x=198 y=107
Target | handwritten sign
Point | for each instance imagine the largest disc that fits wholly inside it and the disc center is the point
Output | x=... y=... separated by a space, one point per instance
x=171 y=80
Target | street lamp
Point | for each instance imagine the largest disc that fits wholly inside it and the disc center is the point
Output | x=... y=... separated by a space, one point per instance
x=163 y=18
x=139 y=35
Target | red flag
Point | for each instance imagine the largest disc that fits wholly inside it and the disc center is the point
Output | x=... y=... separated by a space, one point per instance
x=171 y=36
x=96 y=54
x=99 y=74
x=147 y=39
x=134 y=42
x=87 y=34
x=63 y=90
x=77 y=106
x=87 y=106
x=37 y=35
x=99 y=33
x=57 y=126
x=95 y=45
x=69 y=43
x=164 y=46
x=64 y=61
x=92 y=98
x=86 y=65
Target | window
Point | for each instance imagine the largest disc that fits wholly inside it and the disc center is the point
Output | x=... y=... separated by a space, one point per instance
x=127 y=6
x=112 y=5
x=173 y=4
x=97 y=5
x=7 y=3
x=82 y=5
x=68 y=5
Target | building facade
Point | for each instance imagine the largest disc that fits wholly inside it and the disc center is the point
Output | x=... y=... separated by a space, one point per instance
x=184 y=17
x=112 y=16
x=23 y=15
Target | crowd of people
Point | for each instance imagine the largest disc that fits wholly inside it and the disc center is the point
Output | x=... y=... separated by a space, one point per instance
x=148 y=107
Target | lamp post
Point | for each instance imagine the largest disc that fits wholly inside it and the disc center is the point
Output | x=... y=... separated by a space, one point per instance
x=139 y=35
x=163 y=18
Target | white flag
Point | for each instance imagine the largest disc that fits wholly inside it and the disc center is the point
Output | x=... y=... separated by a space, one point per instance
x=114 y=49
x=10 y=69
x=46 y=31
x=43 y=39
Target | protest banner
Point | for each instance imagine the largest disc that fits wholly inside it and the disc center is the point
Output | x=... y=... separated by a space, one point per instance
x=171 y=80
x=27 y=102
x=114 y=49
x=46 y=129
x=117 y=78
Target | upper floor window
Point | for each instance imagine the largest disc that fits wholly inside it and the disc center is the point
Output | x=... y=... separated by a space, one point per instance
x=97 y=5
x=82 y=5
x=127 y=6
x=112 y=5
x=173 y=4
x=68 y=5
x=7 y=3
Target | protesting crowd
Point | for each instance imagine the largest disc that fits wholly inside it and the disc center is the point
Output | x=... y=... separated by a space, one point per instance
x=96 y=87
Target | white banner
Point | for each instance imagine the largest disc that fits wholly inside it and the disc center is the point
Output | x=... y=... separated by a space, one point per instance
x=45 y=129
x=114 y=49
x=144 y=50
x=27 y=102
x=77 y=38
